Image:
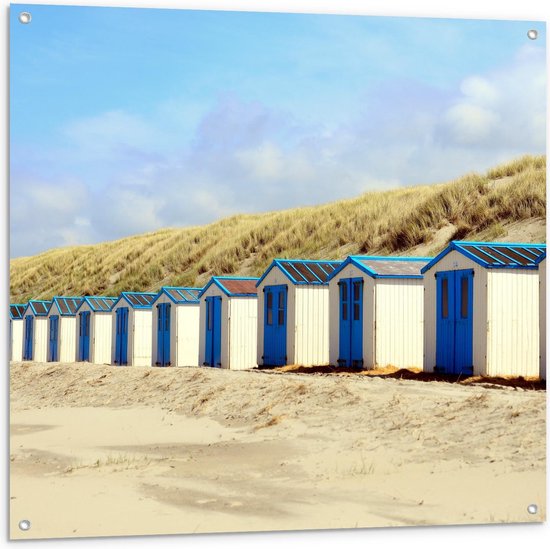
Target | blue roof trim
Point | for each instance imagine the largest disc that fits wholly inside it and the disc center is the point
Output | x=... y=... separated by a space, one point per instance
x=63 y=299
x=210 y=282
x=476 y=243
x=307 y=264
x=216 y=280
x=458 y=245
x=184 y=300
x=87 y=298
x=470 y=256
x=355 y=260
x=34 y=312
x=350 y=260
x=18 y=305
x=541 y=259
x=277 y=263
x=438 y=258
x=125 y=295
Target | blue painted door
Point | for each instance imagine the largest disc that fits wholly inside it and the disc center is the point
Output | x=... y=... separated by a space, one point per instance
x=121 y=342
x=454 y=327
x=275 y=322
x=54 y=339
x=27 y=349
x=213 y=351
x=84 y=336
x=351 y=322
x=163 y=334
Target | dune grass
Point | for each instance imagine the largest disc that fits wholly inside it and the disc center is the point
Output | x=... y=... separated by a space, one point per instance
x=390 y=222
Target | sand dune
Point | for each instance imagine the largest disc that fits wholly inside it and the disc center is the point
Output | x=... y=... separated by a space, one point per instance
x=100 y=450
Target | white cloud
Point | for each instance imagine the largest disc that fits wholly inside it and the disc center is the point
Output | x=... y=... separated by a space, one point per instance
x=504 y=110
x=480 y=90
x=45 y=215
x=264 y=161
x=81 y=221
x=471 y=124
x=109 y=134
x=125 y=174
x=127 y=210
x=267 y=162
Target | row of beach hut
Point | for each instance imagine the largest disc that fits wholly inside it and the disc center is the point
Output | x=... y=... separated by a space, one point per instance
x=476 y=309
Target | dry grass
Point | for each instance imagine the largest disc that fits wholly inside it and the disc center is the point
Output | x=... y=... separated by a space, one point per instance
x=272 y=421
x=416 y=374
x=390 y=222
x=116 y=463
x=516 y=166
x=362 y=467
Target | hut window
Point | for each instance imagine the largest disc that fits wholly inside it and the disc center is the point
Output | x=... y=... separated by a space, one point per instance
x=445 y=298
x=344 y=300
x=464 y=297
x=356 y=291
x=344 y=292
x=281 y=319
x=269 y=306
x=356 y=300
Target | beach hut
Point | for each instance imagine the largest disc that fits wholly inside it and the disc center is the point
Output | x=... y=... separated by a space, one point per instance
x=542 y=312
x=293 y=312
x=62 y=329
x=176 y=314
x=132 y=341
x=35 y=330
x=94 y=329
x=228 y=323
x=482 y=309
x=16 y=331
x=377 y=312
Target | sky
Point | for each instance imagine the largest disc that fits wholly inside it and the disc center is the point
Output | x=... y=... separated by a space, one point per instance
x=124 y=120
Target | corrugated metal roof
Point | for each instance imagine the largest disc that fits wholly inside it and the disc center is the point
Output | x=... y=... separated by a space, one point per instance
x=39 y=307
x=237 y=286
x=496 y=255
x=100 y=304
x=67 y=306
x=182 y=295
x=234 y=286
x=17 y=310
x=139 y=300
x=394 y=266
x=503 y=255
x=304 y=271
x=385 y=266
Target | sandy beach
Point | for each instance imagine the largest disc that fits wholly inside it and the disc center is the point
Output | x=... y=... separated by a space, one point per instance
x=104 y=451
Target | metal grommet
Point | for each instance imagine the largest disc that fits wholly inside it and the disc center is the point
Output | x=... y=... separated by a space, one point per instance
x=532 y=509
x=532 y=34
x=25 y=17
x=24 y=525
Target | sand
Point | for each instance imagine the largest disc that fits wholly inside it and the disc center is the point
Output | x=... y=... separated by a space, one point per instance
x=105 y=451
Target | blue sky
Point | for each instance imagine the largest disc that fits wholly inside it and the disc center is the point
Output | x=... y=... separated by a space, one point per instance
x=128 y=120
